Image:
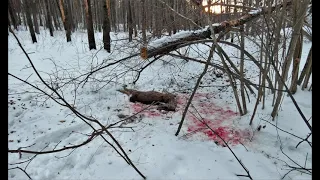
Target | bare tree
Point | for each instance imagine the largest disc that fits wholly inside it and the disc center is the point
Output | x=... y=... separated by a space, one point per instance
x=144 y=22
x=306 y=69
x=91 y=40
x=106 y=26
x=12 y=15
x=70 y=16
x=65 y=19
x=300 y=10
x=34 y=16
x=241 y=71
x=130 y=23
x=49 y=20
x=29 y=21
x=296 y=64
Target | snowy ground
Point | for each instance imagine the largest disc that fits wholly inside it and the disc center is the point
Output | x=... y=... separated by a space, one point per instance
x=196 y=153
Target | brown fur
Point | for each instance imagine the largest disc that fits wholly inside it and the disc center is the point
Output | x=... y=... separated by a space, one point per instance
x=166 y=101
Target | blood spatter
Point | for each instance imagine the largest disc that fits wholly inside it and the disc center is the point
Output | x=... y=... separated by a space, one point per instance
x=219 y=119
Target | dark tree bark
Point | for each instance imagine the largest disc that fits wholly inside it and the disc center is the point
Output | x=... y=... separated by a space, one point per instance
x=29 y=21
x=8 y=19
x=144 y=23
x=92 y=43
x=19 y=11
x=172 y=17
x=65 y=20
x=70 y=18
x=25 y=18
x=130 y=24
x=134 y=20
x=12 y=15
x=39 y=5
x=304 y=70
x=34 y=16
x=123 y=15
x=49 y=21
x=106 y=26
x=296 y=64
x=113 y=14
x=55 y=18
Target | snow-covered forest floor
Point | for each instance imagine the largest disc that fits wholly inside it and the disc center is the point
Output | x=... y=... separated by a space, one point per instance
x=40 y=124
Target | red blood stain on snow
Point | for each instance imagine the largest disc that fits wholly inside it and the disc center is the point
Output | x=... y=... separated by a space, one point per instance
x=219 y=127
x=219 y=119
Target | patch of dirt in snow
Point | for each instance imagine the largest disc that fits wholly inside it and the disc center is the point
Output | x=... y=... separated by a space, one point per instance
x=219 y=119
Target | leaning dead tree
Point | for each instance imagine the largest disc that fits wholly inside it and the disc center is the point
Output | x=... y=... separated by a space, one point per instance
x=221 y=29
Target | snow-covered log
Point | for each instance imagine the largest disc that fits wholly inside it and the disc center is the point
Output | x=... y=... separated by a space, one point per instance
x=165 y=45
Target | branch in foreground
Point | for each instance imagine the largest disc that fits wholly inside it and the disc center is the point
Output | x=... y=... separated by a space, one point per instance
x=93 y=135
x=306 y=139
x=226 y=144
x=282 y=129
x=196 y=87
x=290 y=94
x=81 y=116
x=21 y=170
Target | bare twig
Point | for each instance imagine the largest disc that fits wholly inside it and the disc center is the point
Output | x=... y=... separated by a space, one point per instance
x=81 y=116
x=21 y=170
x=195 y=88
x=286 y=131
x=226 y=144
x=306 y=139
x=174 y=11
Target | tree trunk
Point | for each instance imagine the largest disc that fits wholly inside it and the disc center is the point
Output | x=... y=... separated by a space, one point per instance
x=306 y=65
x=113 y=15
x=65 y=20
x=70 y=18
x=144 y=23
x=12 y=15
x=308 y=73
x=55 y=18
x=296 y=64
x=130 y=24
x=39 y=6
x=34 y=15
x=106 y=26
x=29 y=21
x=8 y=20
x=134 y=20
x=243 y=97
x=91 y=40
x=300 y=12
x=49 y=21
x=25 y=18
x=173 y=19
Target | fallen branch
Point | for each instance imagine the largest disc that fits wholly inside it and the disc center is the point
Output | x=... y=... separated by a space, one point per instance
x=225 y=143
x=93 y=135
x=306 y=139
x=21 y=170
x=84 y=118
x=195 y=88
